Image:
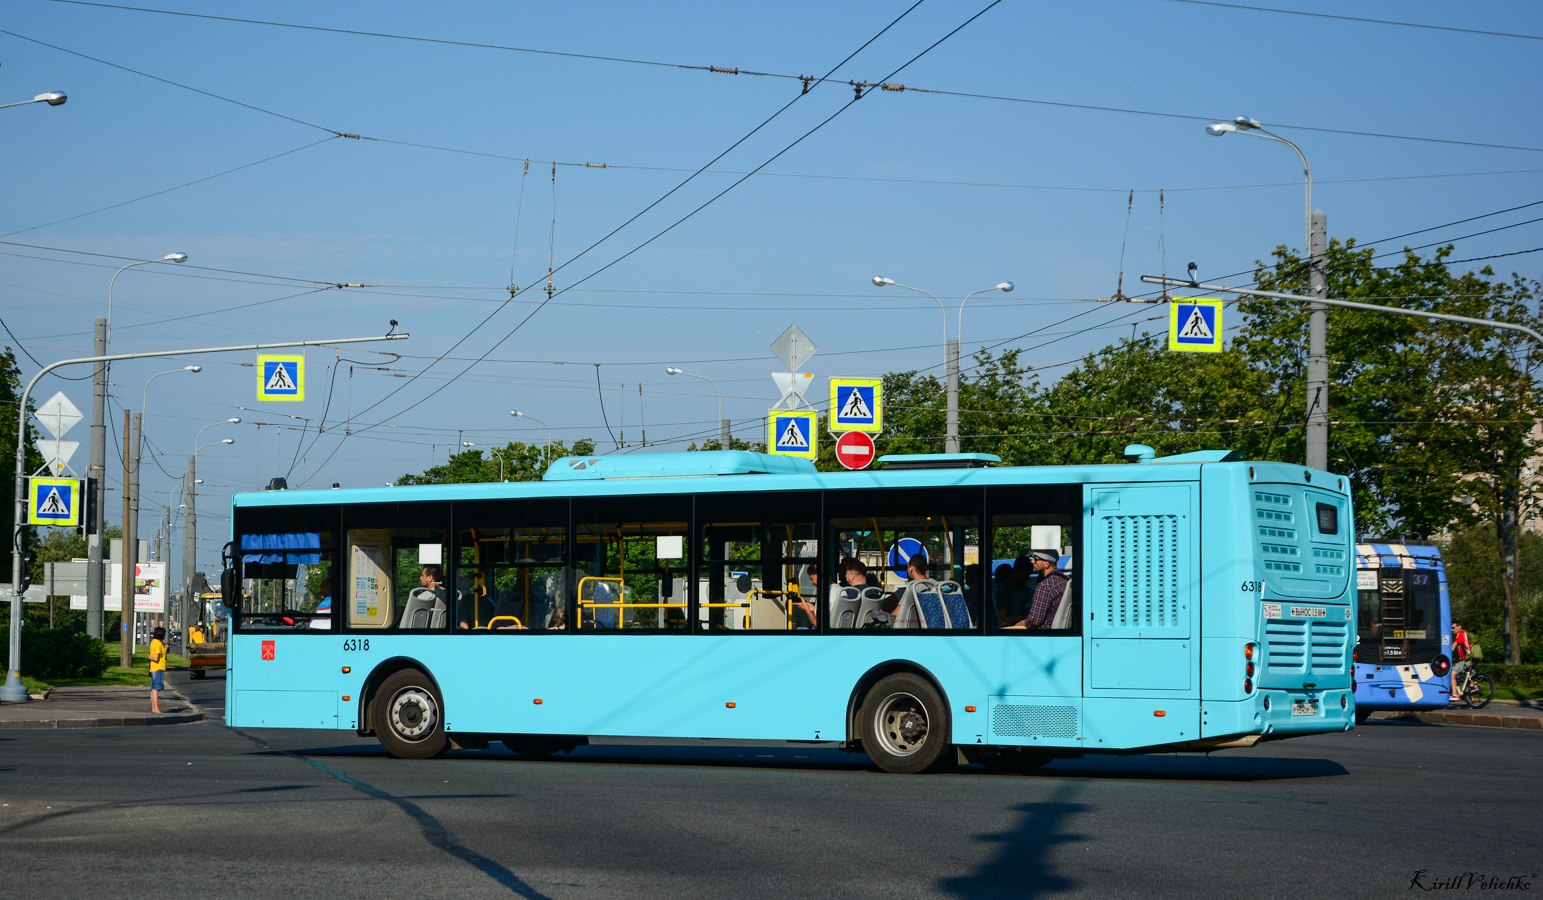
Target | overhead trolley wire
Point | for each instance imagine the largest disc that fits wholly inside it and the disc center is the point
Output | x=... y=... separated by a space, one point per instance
x=170 y=189
x=1362 y=19
x=807 y=80
x=659 y=234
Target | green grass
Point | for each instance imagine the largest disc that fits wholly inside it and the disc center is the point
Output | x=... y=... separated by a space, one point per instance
x=137 y=675
x=34 y=686
x=1506 y=693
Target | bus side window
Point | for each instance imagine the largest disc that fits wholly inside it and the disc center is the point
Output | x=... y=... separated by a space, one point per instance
x=757 y=563
x=399 y=574
x=1030 y=523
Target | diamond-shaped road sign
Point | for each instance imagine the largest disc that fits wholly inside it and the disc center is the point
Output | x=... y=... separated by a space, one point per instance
x=793 y=347
x=56 y=454
x=58 y=415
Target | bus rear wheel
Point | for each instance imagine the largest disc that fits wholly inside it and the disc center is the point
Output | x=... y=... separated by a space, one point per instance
x=905 y=727
x=410 y=717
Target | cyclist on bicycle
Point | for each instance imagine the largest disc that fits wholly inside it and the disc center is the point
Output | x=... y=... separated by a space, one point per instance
x=1462 y=648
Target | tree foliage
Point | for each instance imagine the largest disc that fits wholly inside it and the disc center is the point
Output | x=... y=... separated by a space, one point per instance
x=513 y=462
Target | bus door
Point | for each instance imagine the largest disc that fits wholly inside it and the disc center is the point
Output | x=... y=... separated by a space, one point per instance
x=1141 y=679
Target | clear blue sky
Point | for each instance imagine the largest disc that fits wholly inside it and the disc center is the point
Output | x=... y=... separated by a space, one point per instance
x=944 y=192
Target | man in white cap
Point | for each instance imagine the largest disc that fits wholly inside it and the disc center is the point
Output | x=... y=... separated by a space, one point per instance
x=1048 y=593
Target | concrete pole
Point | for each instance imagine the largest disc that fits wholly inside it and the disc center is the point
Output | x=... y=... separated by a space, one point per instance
x=951 y=444
x=1317 y=351
x=126 y=576
x=724 y=434
x=189 y=548
x=95 y=582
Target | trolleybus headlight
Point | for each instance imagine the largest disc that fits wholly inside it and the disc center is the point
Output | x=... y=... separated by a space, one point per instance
x=1441 y=665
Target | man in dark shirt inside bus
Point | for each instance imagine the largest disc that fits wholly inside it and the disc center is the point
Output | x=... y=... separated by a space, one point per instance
x=1048 y=593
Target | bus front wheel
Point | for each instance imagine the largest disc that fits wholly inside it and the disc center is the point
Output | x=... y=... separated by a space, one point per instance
x=410 y=717
x=905 y=726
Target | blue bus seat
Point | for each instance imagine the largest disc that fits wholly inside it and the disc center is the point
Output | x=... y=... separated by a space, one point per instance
x=921 y=606
x=955 y=606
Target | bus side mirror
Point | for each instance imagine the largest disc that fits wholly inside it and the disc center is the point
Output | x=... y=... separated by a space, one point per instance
x=230 y=591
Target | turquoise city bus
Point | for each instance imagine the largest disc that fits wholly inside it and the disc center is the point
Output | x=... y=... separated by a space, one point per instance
x=1204 y=603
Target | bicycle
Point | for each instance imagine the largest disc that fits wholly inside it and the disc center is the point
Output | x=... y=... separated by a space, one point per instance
x=1476 y=689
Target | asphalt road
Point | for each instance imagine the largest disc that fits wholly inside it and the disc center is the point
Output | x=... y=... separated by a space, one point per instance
x=202 y=810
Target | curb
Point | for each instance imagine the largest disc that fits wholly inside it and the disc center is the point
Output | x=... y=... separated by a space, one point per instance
x=105 y=721
x=1484 y=720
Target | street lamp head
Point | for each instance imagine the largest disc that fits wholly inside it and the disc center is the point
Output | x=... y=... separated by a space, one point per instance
x=234 y=420
x=516 y=413
x=176 y=257
x=52 y=98
x=674 y=371
x=194 y=369
x=880 y=281
x=467 y=444
x=228 y=441
x=198 y=481
x=1217 y=129
x=1005 y=287
x=1245 y=123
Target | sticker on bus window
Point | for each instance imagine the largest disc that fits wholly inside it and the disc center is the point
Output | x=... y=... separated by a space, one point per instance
x=1272 y=610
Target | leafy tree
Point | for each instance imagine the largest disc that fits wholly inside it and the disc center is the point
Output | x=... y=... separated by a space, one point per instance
x=10 y=395
x=514 y=461
x=1432 y=421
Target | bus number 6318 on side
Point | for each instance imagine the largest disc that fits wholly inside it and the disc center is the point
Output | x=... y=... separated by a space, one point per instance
x=356 y=644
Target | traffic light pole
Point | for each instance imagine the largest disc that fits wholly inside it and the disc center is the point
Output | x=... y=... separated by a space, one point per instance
x=13 y=691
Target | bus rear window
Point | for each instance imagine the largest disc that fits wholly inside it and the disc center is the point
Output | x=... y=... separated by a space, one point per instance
x=1328 y=519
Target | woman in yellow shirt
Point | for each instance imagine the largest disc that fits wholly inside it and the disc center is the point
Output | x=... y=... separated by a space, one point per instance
x=157 y=668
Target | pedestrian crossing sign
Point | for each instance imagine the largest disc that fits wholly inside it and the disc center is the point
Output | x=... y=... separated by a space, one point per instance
x=54 y=501
x=281 y=378
x=1195 y=325
x=856 y=404
x=792 y=433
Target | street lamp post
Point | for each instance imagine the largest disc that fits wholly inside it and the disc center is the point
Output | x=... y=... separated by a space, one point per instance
x=190 y=522
x=1317 y=311
x=13 y=690
x=133 y=452
x=98 y=467
x=950 y=351
x=724 y=431
x=52 y=98
x=546 y=451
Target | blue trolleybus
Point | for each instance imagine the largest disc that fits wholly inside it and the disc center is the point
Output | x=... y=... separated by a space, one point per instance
x=1204 y=603
x=1404 y=643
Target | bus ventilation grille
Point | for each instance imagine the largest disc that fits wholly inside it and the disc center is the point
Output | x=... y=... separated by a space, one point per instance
x=1017 y=720
x=1329 y=645
x=1285 y=645
x=1143 y=571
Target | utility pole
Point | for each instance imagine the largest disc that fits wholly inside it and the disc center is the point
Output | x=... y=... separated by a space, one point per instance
x=189 y=549
x=126 y=580
x=95 y=581
x=724 y=434
x=951 y=442
x=1317 y=351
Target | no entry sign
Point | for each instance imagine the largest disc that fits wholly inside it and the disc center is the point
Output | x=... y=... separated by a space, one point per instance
x=854 y=449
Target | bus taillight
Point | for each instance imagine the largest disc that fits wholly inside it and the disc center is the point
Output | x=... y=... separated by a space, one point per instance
x=1248 y=685
x=1249 y=670
x=1248 y=651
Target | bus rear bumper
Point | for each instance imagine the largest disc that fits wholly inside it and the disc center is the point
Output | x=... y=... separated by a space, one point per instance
x=1287 y=713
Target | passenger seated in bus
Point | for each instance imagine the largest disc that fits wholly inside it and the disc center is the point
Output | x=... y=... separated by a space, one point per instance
x=1048 y=593
x=850 y=573
x=915 y=570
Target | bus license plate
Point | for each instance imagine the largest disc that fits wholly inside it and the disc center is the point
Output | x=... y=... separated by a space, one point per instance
x=1304 y=707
